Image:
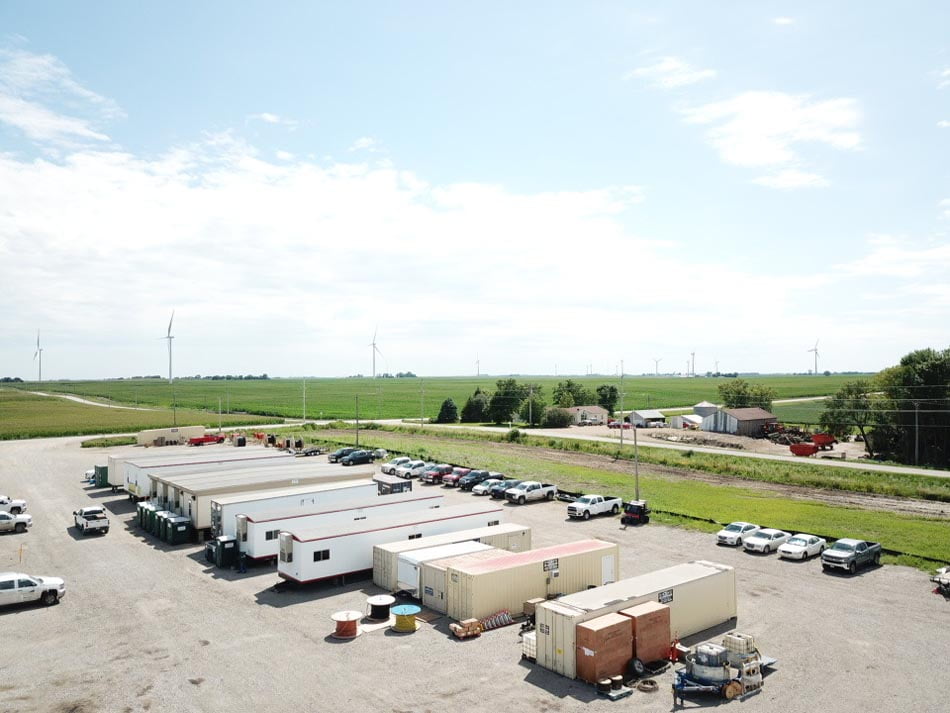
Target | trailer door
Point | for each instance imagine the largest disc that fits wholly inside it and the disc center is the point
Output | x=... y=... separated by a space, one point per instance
x=607 y=573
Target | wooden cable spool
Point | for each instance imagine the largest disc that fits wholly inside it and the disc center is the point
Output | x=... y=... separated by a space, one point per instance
x=347 y=624
x=406 y=618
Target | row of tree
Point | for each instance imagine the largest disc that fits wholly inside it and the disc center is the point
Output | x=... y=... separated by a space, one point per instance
x=526 y=402
x=902 y=413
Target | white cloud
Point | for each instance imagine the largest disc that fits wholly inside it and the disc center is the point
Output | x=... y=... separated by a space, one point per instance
x=783 y=20
x=792 y=178
x=274 y=119
x=284 y=155
x=33 y=86
x=670 y=73
x=945 y=206
x=898 y=257
x=943 y=124
x=943 y=78
x=766 y=129
x=365 y=143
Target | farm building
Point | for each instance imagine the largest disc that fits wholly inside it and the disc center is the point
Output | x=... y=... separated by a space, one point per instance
x=687 y=420
x=704 y=408
x=593 y=414
x=644 y=418
x=738 y=421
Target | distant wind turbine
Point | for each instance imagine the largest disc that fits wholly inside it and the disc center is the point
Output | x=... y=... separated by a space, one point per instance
x=169 y=337
x=656 y=366
x=375 y=350
x=38 y=354
x=478 y=366
x=815 y=349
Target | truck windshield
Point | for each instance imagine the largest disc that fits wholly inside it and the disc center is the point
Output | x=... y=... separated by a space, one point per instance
x=842 y=547
x=584 y=500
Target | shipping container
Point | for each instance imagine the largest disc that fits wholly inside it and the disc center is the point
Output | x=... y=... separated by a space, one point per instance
x=409 y=567
x=136 y=482
x=191 y=495
x=311 y=555
x=257 y=534
x=169 y=436
x=475 y=590
x=511 y=537
x=699 y=595
x=432 y=576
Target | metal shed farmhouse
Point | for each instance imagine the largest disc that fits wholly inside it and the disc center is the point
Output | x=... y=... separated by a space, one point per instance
x=699 y=594
x=311 y=555
x=257 y=534
x=738 y=421
x=477 y=589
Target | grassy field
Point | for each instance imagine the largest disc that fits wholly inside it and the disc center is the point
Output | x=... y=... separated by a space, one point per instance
x=804 y=412
x=24 y=415
x=679 y=499
x=402 y=398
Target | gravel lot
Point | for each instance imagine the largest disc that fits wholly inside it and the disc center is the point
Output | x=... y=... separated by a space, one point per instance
x=148 y=627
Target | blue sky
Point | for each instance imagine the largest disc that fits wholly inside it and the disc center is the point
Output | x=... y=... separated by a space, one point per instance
x=547 y=184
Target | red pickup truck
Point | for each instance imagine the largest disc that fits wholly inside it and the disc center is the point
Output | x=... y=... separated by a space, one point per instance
x=201 y=440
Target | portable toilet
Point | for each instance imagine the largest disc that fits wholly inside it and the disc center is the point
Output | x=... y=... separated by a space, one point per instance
x=158 y=522
x=177 y=530
x=226 y=551
x=138 y=513
x=102 y=476
x=210 y=549
x=148 y=512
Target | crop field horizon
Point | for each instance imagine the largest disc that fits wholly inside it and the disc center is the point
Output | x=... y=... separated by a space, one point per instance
x=380 y=398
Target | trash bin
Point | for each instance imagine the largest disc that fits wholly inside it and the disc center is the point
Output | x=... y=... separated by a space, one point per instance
x=177 y=530
x=210 y=549
x=226 y=551
x=102 y=476
x=240 y=441
x=158 y=522
x=298 y=444
x=148 y=512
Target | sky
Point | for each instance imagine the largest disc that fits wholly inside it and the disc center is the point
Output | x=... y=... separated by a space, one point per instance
x=538 y=187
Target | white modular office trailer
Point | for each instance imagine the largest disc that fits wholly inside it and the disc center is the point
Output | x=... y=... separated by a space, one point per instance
x=505 y=536
x=409 y=568
x=191 y=495
x=699 y=594
x=312 y=555
x=129 y=471
x=225 y=508
x=257 y=534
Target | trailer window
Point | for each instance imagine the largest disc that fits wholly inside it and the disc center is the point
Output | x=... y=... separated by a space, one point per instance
x=493 y=522
x=321 y=555
x=269 y=535
x=415 y=537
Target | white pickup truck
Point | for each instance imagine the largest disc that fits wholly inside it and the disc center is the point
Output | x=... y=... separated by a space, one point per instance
x=12 y=506
x=91 y=519
x=531 y=490
x=14 y=523
x=587 y=505
x=17 y=588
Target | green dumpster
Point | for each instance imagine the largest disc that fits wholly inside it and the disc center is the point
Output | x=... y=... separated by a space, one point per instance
x=178 y=530
x=148 y=509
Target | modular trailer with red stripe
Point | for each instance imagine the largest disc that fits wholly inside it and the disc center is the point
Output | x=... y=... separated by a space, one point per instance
x=313 y=555
x=257 y=534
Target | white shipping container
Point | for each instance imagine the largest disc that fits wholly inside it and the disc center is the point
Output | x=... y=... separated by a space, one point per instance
x=128 y=470
x=699 y=594
x=177 y=434
x=257 y=535
x=409 y=568
x=224 y=508
x=312 y=555
x=511 y=537
x=478 y=589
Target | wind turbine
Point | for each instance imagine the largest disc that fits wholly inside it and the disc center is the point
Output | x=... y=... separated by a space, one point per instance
x=656 y=366
x=478 y=366
x=815 y=349
x=375 y=350
x=38 y=354
x=169 y=337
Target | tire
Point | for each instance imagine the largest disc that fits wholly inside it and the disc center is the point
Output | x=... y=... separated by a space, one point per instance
x=49 y=598
x=549 y=496
x=14 y=511
x=768 y=549
x=877 y=560
x=739 y=542
x=521 y=500
x=646 y=519
x=105 y=531
x=638 y=667
x=587 y=514
x=852 y=568
x=614 y=510
x=19 y=527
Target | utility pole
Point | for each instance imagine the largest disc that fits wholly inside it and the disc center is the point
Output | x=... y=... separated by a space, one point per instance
x=227 y=393
x=357 y=420
x=916 y=432
x=636 y=465
x=530 y=399
x=219 y=414
x=717 y=366
x=621 y=409
x=693 y=357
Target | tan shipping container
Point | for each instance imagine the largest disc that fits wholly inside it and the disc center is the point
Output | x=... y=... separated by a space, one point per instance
x=699 y=595
x=433 y=577
x=505 y=536
x=483 y=588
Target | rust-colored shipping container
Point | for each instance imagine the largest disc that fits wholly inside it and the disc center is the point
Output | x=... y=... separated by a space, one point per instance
x=651 y=630
x=603 y=647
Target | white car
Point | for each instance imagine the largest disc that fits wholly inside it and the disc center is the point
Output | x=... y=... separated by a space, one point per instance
x=391 y=466
x=412 y=469
x=484 y=487
x=766 y=540
x=734 y=533
x=802 y=546
x=17 y=588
